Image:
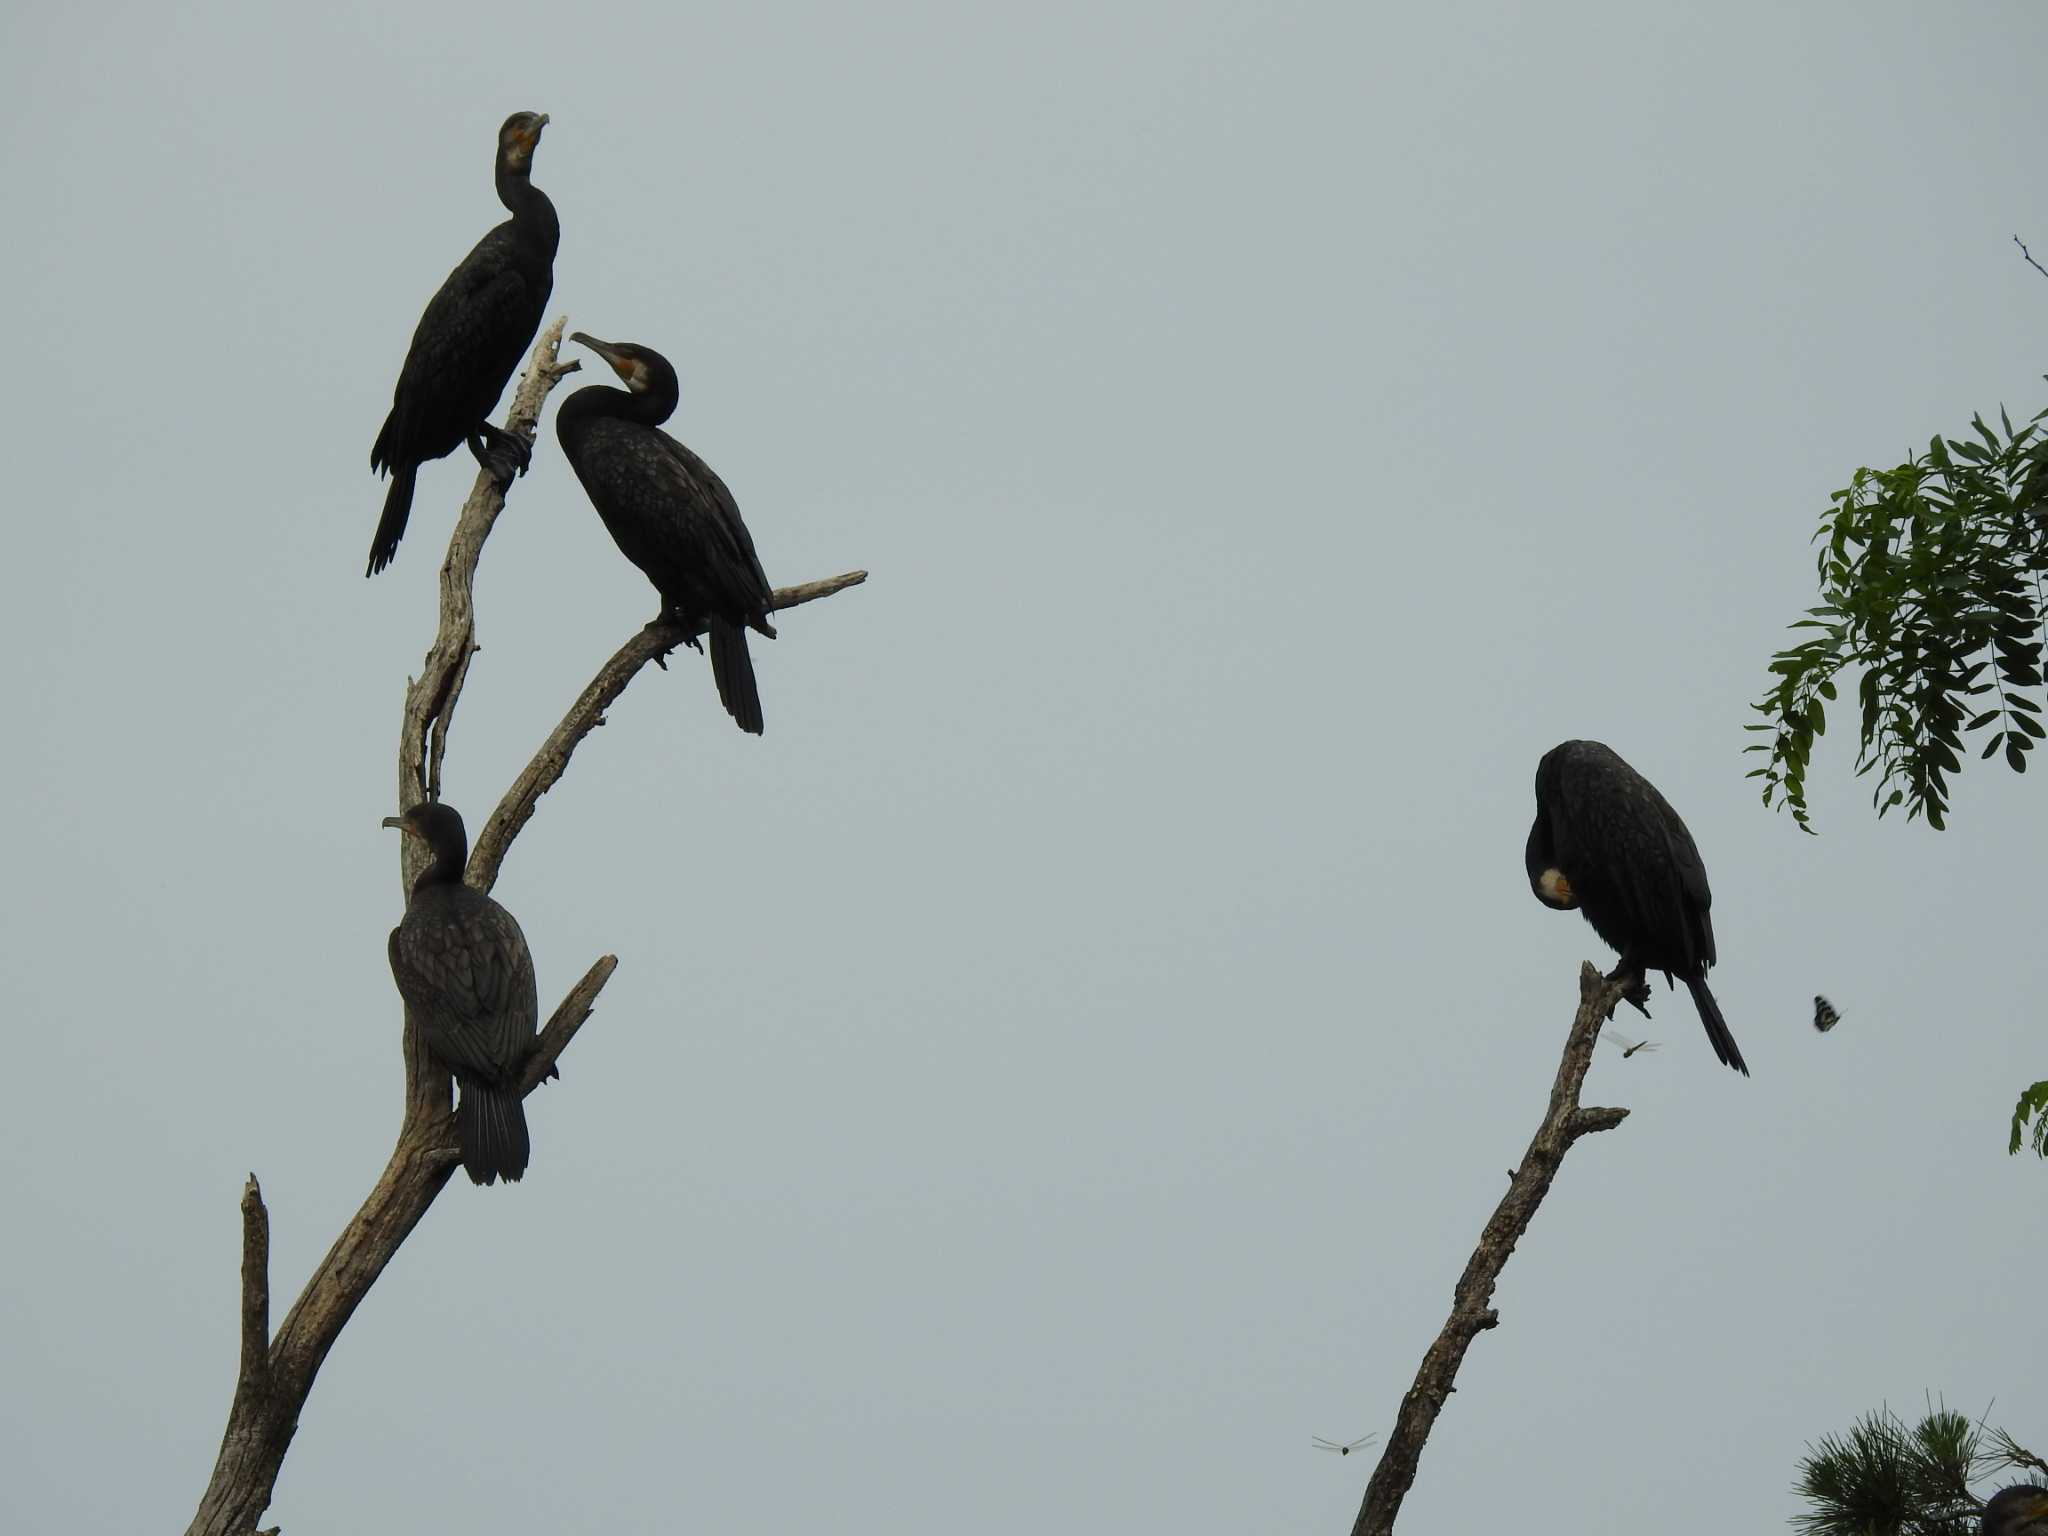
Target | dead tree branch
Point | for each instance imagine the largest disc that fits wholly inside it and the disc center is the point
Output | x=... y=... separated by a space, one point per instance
x=276 y=1374
x=431 y=697
x=653 y=642
x=1564 y=1122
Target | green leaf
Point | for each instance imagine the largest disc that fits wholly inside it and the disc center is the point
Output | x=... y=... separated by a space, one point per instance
x=2032 y=1103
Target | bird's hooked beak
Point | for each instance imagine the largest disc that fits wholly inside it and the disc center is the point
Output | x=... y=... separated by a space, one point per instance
x=628 y=369
x=528 y=138
x=401 y=824
x=603 y=349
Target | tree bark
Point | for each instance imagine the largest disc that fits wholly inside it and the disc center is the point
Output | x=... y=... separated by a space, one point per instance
x=1564 y=1122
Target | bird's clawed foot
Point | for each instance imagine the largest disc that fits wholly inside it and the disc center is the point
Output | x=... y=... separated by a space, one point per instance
x=670 y=616
x=503 y=453
x=683 y=621
x=1637 y=993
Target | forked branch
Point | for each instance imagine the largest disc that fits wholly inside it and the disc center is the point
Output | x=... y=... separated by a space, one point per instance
x=431 y=697
x=276 y=1374
x=1564 y=1122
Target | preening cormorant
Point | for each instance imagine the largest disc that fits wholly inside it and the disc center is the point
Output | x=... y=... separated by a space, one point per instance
x=669 y=514
x=464 y=971
x=468 y=342
x=1607 y=843
x=2018 y=1511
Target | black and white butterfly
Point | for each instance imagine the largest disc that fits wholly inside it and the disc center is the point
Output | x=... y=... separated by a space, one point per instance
x=1824 y=1016
x=1342 y=1450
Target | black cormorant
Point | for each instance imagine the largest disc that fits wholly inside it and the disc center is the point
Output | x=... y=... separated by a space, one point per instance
x=470 y=339
x=2020 y=1511
x=464 y=971
x=1607 y=843
x=669 y=514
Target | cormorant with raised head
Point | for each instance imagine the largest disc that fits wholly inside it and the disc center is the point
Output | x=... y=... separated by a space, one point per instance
x=465 y=973
x=669 y=514
x=470 y=339
x=1608 y=844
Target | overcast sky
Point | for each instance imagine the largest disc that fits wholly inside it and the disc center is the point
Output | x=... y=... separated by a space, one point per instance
x=1065 y=1063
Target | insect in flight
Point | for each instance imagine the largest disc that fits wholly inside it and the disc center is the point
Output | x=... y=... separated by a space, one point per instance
x=1342 y=1450
x=1628 y=1047
x=1824 y=1016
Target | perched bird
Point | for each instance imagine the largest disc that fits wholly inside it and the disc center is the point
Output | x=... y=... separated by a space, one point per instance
x=1342 y=1450
x=669 y=514
x=1607 y=843
x=468 y=342
x=466 y=975
x=2018 y=1511
x=1627 y=1046
x=1824 y=1016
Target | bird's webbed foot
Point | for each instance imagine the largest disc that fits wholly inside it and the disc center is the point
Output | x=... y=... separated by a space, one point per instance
x=504 y=454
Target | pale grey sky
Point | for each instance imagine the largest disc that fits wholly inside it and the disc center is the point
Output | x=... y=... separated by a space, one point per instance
x=1064 y=1065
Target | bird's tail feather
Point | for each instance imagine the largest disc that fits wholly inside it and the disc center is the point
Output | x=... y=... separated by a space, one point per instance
x=732 y=668
x=391 y=526
x=490 y=1124
x=384 y=452
x=1717 y=1027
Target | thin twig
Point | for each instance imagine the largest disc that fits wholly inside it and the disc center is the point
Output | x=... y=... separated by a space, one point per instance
x=2016 y=240
x=562 y=1025
x=1564 y=1122
x=540 y=775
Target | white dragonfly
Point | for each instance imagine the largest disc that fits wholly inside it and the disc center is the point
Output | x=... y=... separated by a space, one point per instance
x=1628 y=1047
x=1342 y=1450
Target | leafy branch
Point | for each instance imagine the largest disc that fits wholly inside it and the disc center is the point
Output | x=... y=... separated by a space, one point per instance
x=1914 y=1480
x=2033 y=1105
x=1930 y=584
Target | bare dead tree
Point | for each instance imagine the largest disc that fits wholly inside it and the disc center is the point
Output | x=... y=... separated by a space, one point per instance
x=275 y=1373
x=1564 y=1122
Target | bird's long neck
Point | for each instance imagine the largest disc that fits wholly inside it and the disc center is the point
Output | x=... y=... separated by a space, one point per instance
x=446 y=869
x=649 y=410
x=533 y=216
